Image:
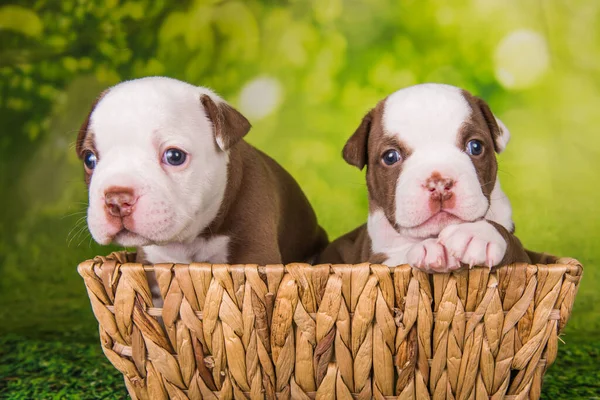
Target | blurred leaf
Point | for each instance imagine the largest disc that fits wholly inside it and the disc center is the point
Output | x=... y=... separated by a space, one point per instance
x=175 y=24
x=132 y=9
x=239 y=29
x=20 y=19
x=327 y=11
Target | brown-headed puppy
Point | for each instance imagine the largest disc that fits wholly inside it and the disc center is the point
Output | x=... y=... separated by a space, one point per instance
x=434 y=196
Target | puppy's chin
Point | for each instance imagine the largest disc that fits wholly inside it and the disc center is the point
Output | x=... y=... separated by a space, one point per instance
x=431 y=227
x=105 y=234
x=127 y=238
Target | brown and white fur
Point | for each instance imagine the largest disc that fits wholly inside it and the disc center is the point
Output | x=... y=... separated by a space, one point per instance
x=227 y=203
x=438 y=206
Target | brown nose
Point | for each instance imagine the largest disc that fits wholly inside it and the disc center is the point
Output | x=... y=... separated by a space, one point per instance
x=119 y=201
x=439 y=188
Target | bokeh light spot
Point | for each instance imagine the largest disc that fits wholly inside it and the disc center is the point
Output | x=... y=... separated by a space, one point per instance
x=260 y=97
x=521 y=59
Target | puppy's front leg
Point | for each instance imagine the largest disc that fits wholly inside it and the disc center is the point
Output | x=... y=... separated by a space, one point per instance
x=431 y=256
x=474 y=243
x=427 y=255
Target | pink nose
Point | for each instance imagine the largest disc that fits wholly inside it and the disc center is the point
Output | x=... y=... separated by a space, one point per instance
x=119 y=201
x=439 y=188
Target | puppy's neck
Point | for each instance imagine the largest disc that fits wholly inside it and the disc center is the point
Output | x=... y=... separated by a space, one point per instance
x=214 y=250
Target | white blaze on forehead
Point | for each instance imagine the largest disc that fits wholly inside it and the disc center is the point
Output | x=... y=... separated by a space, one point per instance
x=137 y=109
x=426 y=113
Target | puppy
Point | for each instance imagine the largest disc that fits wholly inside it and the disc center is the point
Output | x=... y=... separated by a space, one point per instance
x=168 y=172
x=435 y=200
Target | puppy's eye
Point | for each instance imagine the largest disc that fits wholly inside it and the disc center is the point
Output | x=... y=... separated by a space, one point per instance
x=174 y=156
x=90 y=160
x=391 y=157
x=474 y=147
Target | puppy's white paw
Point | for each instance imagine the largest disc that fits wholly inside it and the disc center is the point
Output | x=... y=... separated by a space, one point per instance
x=429 y=255
x=474 y=243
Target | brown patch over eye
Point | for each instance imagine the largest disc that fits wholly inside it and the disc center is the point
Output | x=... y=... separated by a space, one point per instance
x=386 y=156
x=85 y=145
x=481 y=126
x=89 y=156
x=475 y=139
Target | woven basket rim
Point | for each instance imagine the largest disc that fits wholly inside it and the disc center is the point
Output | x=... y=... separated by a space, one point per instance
x=572 y=265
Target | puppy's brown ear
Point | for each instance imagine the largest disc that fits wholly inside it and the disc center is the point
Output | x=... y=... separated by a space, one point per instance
x=83 y=130
x=500 y=133
x=230 y=125
x=355 y=151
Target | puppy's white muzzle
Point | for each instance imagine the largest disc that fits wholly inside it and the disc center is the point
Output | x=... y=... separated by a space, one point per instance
x=438 y=186
x=129 y=200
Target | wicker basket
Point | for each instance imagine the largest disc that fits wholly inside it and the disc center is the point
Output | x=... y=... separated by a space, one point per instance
x=342 y=331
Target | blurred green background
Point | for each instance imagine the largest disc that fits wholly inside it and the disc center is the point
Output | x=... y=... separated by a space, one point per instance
x=304 y=73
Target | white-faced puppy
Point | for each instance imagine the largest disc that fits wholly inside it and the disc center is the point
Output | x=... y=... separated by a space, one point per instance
x=434 y=196
x=168 y=172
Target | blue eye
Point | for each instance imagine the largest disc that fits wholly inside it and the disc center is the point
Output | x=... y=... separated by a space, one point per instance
x=174 y=156
x=474 y=147
x=391 y=157
x=90 y=160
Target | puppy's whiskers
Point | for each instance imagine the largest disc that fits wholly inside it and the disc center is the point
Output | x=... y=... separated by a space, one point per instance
x=506 y=173
x=77 y=225
x=78 y=234
x=87 y=234
x=73 y=214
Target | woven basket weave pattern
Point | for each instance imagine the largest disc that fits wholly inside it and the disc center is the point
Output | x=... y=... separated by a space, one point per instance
x=343 y=331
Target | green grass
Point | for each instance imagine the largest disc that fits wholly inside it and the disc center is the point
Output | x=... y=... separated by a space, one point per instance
x=63 y=369
x=576 y=372
x=56 y=369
